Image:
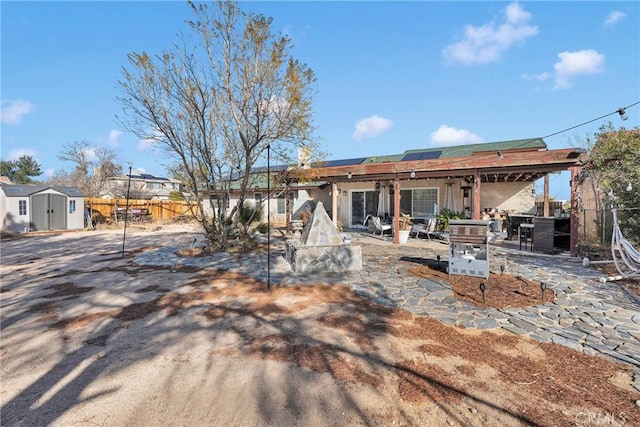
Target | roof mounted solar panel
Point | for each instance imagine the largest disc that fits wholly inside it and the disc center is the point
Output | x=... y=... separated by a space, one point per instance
x=422 y=155
x=429 y=155
x=412 y=156
x=344 y=162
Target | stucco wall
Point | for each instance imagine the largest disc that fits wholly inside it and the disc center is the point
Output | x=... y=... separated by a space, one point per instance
x=299 y=203
x=512 y=197
x=508 y=196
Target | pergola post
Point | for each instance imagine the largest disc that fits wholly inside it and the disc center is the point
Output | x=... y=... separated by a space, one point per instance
x=396 y=211
x=334 y=202
x=476 y=195
x=545 y=211
x=574 y=218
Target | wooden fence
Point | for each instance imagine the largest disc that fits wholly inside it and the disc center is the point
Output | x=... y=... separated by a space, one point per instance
x=157 y=209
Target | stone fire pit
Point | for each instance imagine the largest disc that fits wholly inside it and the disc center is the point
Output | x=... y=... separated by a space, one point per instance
x=321 y=247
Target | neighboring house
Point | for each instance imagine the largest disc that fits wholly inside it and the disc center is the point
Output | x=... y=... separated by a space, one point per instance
x=142 y=186
x=40 y=207
x=468 y=179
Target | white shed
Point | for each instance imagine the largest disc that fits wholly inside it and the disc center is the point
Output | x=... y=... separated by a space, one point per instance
x=40 y=207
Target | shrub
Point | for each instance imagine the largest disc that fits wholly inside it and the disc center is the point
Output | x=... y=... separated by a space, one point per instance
x=250 y=214
x=446 y=215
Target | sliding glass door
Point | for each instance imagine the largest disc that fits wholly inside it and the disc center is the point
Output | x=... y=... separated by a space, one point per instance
x=363 y=203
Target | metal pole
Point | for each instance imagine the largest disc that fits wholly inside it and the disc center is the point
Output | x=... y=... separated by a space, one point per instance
x=126 y=212
x=268 y=217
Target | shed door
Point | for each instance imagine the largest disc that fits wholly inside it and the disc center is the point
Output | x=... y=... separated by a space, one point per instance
x=39 y=214
x=57 y=212
x=48 y=212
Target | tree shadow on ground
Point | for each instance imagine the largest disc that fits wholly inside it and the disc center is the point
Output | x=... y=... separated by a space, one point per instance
x=287 y=338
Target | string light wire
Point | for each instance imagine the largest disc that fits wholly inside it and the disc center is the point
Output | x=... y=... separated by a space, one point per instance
x=593 y=120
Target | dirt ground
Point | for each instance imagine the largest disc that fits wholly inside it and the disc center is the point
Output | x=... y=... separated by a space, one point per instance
x=91 y=338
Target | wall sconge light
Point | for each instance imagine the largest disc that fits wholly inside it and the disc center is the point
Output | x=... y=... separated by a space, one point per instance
x=623 y=114
x=413 y=173
x=377 y=186
x=629 y=186
x=349 y=175
x=500 y=155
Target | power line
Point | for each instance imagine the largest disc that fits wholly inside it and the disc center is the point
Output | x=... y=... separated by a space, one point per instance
x=620 y=111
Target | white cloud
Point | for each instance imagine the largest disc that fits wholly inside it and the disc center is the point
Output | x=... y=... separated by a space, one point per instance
x=577 y=63
x=371 y=126
x=447 y=135
x=48 y=173
x=90 y=152
x=114 y=136
x=148 y=142
x=571 y=65
x=296 y=34
x=13 y=110
x=145 y=144
x=540 y=77
x=15 y=154
x=484 y=44
x=614 y=17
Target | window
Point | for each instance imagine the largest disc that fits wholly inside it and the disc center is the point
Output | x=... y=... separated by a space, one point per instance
x=281 y=205
x=72 y=206
x=22 y=207
x=420 y=202
x=425 y=202
x=257 y=197
x=218 y=200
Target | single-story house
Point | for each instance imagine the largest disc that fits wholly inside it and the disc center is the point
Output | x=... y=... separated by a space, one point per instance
x=142 y=186
x=26 y=208
x=468 y=179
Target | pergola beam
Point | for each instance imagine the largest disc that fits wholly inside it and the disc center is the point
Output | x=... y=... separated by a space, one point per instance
x=532 y=162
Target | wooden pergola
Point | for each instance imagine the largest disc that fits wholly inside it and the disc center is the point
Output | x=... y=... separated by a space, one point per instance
x=514 y=165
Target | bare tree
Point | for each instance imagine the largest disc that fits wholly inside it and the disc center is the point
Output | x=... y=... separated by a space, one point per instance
x=91 y=167
x=216 y=103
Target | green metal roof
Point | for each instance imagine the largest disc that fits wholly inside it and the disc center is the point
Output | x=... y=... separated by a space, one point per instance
x=468 y=150
x=461 y=150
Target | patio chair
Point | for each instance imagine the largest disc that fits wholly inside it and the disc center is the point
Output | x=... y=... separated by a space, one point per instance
x=439 y=232
x=378 y=226
x=428 y=228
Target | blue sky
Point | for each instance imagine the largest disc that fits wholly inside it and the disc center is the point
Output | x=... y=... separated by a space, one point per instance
x=391 y=76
